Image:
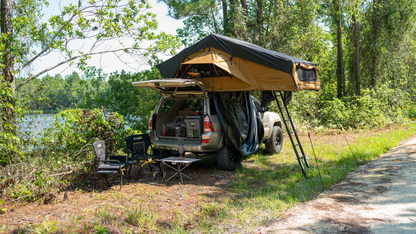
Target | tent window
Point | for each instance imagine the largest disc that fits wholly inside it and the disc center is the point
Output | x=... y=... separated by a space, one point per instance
x=205 y=70
x=306 y=75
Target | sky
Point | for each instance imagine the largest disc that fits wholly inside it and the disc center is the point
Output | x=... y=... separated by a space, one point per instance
x=109 y=63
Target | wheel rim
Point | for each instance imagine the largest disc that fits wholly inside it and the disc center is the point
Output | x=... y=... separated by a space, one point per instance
x=234 y=157
x=278 y=139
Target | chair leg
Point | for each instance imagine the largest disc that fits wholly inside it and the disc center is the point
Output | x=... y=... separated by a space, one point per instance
x=128 y=174
x=160 y=169
x=98 y=180
x=106 y=180
x=151 y=169
x=140 y=171
x=121 y=179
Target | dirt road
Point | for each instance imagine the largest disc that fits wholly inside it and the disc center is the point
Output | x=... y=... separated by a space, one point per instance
x=379 y=197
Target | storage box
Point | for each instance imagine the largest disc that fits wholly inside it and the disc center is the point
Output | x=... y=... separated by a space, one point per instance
x=193 y=126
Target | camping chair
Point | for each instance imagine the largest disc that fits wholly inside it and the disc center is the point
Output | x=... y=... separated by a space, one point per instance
x=138 y=146
x=115 y=164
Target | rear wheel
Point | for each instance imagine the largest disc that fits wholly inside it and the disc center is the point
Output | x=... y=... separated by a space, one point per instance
x=227 y=159
x=275 y=142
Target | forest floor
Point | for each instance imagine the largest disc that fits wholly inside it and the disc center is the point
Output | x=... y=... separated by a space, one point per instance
x=378 y=196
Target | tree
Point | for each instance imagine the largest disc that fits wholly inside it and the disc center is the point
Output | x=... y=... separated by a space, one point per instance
x=340 y=56
x=357 y=66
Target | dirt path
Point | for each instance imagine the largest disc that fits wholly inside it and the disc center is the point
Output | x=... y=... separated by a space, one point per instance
x=379 y=197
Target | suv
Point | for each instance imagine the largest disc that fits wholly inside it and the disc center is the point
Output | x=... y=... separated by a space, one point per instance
x=185 y=120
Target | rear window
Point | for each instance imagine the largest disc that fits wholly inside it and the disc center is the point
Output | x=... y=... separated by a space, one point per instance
x=167 y=104
x=182 y=105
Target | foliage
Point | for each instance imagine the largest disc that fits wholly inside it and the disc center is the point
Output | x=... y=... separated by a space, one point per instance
x=100 y=23
x=136 y=105
x=9 y=141
x=66 y=146
x=373 y=109
x=78 y=127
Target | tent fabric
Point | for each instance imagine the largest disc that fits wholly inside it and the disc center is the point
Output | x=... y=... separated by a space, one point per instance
x=251 y=67
x=239 y=117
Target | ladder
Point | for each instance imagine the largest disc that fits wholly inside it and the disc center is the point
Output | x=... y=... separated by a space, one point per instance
x=291 y=131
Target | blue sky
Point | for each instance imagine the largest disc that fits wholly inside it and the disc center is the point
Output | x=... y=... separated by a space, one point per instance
x=109 y=63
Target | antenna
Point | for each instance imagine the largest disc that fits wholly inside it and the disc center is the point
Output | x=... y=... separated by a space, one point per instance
x=316 y=161
x=356 y=162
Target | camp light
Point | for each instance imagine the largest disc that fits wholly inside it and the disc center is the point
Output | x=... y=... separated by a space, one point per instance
x=208 y=127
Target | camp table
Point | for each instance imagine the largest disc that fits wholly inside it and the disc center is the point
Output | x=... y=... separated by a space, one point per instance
x=181 y=164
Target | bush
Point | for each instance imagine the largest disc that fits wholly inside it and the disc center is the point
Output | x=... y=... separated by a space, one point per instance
x=63 y=154
x=370 y=110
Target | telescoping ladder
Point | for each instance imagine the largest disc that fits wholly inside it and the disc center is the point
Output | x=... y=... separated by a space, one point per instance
x=291 y=131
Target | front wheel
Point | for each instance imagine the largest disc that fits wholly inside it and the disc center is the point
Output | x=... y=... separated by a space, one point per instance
x=227 y=159
x=275 y=142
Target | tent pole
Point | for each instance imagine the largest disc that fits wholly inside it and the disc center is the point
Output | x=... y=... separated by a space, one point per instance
x=297 y=146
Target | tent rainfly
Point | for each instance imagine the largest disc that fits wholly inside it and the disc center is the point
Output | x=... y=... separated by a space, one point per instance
x=226 y=64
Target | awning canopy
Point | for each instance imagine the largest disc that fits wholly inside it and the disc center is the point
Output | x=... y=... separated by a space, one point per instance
x=226 y=64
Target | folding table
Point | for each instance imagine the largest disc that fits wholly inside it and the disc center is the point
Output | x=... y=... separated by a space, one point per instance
x=181 y=164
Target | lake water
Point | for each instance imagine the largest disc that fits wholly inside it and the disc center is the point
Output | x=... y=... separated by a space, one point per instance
x=35 y=124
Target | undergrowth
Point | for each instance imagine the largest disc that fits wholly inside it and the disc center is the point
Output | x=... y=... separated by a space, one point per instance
x=60 y=155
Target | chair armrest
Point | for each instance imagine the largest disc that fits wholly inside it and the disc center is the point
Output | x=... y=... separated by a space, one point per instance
x=121 y=158
x=116 y=161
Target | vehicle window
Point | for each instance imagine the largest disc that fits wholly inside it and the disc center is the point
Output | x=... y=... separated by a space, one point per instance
x=167 y=104
x=192 y=103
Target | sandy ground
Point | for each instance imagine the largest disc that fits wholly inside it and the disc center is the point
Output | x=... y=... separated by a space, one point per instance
x=379 y=197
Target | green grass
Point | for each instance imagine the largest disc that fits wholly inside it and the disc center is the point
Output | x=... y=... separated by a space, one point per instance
x=266 y=186
x=259 y=191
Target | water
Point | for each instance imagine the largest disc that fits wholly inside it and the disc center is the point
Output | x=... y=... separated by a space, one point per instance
x=35 y=124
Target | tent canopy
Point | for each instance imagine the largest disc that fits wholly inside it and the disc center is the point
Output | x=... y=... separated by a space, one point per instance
x=227 y=64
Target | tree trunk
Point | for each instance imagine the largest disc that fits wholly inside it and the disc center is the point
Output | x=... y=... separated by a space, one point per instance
x=7 y=30
x=244 y=6
x=225 y=16
x=357 y=81
x=215 y=21
x=340 y=62
x=260 y=19
x=7 y=58
x=375 y=47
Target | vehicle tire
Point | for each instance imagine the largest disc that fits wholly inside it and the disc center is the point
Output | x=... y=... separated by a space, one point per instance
x=227 y=159
x=275 y=142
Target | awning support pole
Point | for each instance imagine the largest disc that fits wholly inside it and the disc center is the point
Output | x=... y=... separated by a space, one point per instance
x=291 y=131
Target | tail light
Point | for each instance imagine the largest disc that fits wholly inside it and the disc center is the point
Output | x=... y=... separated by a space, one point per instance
x=208 y=127
x=150 y=127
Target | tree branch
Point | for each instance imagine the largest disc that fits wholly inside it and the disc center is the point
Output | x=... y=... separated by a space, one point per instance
x=49 y=45
x=67 y=61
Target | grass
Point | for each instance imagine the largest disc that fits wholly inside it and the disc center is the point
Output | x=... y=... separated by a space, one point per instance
x=259 y=191
x=266 y=186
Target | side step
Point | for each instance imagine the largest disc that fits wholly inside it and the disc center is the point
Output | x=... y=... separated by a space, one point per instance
x=290 y=128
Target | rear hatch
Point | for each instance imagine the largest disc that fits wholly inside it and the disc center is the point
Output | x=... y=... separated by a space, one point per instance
x=174 y=87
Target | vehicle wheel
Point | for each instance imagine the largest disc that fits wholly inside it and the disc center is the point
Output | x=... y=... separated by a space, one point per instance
x=275 y=142
x=227 y=159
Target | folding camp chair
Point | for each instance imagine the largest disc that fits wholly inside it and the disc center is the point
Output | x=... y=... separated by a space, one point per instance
x=115 y=164
x=138 y=146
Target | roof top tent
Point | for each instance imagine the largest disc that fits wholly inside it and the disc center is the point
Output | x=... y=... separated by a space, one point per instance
x=225 y=64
